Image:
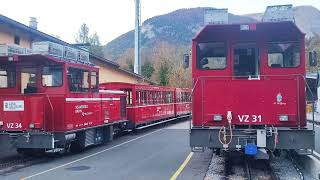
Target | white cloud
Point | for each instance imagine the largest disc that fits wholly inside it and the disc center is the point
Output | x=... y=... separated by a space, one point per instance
x=111 y=18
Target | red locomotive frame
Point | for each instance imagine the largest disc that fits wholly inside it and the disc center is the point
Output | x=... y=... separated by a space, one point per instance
x=249 y=87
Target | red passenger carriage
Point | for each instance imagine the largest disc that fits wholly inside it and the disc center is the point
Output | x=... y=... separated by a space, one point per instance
x=182 y=101
x=249 y=88
x=146 y=104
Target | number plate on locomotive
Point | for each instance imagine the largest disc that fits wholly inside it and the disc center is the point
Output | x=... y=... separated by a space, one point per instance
x=14 y=125
x=250 y=118
x=13 y=105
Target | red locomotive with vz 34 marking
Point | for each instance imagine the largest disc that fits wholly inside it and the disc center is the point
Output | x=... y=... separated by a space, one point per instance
x=54 y=104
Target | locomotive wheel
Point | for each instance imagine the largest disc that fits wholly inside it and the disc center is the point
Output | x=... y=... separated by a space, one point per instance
x=277 y=153
x=218 y=151
x=76 y=147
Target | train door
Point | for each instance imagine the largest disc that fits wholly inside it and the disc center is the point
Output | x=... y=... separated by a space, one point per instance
x=29 y=81
x=246 y=61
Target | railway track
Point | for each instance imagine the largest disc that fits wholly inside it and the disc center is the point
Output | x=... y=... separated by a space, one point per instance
x=235 y=166
x=239 y=167
x=259 y=169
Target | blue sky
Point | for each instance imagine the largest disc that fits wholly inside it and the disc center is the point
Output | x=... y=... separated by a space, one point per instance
x=111 y=18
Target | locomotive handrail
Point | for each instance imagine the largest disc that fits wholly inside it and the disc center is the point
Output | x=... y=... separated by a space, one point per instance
x=52 y=110
x=313 y=102
x=286 y=75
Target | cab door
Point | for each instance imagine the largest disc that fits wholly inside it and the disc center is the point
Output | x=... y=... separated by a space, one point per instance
x=246 y=61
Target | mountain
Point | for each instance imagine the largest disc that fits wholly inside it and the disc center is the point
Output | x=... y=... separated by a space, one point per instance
x=179 y=27
x=306 y=17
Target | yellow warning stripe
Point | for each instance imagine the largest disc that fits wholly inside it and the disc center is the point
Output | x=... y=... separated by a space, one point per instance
x=183 y=165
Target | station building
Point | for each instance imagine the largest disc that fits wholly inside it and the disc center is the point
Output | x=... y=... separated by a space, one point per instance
x=15 y=33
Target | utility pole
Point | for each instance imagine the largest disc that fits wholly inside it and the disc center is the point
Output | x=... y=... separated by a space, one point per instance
x=137 y=52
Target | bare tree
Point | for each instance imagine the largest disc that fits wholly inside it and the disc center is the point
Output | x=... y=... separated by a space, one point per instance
x=83 y=34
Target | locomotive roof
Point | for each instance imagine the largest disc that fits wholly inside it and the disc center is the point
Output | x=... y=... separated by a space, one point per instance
x=286 y=29
x=39 y=58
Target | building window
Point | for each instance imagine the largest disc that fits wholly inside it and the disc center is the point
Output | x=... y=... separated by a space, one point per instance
x=17 y=40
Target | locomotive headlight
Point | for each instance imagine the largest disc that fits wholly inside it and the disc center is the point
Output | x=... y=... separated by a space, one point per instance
x=31 y=125
x=283 y=118
x=1 y=123
x=217 y=117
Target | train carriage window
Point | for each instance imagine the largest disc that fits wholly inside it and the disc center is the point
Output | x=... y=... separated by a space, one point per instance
x=7 y=78
x=211 y=56
x=149 y=97
x=158 y=97
x=138 y=97
x=94 y=81
x=144 y=97
x=182 y=97
x=283 y=55
x=152 y=97
x=168 y=97
x=155 y=95
x=129 y=95
x=52 y=76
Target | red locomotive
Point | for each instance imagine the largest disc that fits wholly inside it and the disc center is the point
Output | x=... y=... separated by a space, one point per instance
x=49 y=103
x=148 y=105
x=249 y=88
x=55 y=104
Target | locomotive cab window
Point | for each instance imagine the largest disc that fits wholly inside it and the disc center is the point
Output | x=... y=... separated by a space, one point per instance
x=29 y=80
x=94 y=81
x=246 y=60
x=52 y=76
x=211 y=56
x=283 y=55
x=7 y=78
x=78 y=80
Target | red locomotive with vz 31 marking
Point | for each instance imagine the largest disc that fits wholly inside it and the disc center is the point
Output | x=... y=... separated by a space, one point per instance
x=250 y=88
x=54 y=104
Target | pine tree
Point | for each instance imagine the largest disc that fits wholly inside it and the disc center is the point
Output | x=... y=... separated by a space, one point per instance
x=147 y=69
x=164 y=73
